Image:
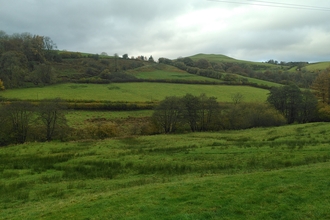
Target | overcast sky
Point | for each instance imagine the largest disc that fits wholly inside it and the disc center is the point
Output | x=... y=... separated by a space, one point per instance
x=173 y=28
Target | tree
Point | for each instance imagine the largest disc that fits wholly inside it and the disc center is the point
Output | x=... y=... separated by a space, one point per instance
x=51 y=114
x=203 y=64
x=2 y=87
x=287 y=100
x=116 y=62
x=308 y=107
x=151 y=59
x=125 y=56
x=321 y=86
x=188 y=61
x=168 y=114
x=13 y=68
x=19 y=116
x=209 y=113
x=43 y=74
x=191 y=113
x=237 y=98
x=50 y=49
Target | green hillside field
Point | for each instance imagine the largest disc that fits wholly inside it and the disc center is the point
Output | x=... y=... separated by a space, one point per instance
x=261 y=173
x=133 y=92
x=223 y=58
x=318 y=66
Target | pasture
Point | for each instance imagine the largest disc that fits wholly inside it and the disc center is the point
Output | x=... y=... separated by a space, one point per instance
x=223 y=58
x=77 y=118
x=134 y=92
x=160 y=74
x=318 y=66
x=261 y=173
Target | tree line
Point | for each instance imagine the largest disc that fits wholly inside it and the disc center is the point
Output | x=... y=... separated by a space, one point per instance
x=285 y=105
x=202 y=113
x=22 y=121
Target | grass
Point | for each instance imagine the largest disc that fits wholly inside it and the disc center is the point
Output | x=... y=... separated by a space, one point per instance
x=160 y=74
x=317 y=66
x=77 y=118
x=262 y=173
x=133 y=92
x=223 y=58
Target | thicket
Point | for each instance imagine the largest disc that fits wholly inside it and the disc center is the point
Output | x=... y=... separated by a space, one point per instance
x=202 y=113
x=26 y=58
x=296 y=105
x=22 y=121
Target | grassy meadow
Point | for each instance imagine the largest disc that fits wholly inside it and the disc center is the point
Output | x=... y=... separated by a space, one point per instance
x=160 y=74
x=318 y=66
x=223 y=58
x=78 y=118
x=133 y=92
x=261 y=173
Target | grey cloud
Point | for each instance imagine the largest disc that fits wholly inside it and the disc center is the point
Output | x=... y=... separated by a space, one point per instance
x=174 y=28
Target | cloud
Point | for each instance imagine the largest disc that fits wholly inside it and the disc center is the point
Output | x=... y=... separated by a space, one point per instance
x=175 y=28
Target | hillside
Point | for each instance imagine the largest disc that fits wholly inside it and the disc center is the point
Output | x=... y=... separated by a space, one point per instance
x=223 y=58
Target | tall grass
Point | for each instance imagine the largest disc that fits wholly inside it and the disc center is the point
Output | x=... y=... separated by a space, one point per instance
x=230 y=174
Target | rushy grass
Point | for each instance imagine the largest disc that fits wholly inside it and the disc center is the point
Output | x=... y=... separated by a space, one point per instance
x=262 y=173
x=134 y=92
x=77 y=118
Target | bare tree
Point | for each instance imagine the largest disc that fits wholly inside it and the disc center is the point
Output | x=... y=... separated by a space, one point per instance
x=237 y=98
x=51 y=114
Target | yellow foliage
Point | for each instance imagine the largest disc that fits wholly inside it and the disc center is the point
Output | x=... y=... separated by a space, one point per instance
x=2 y=87
x=324 y=112
x=321 y=86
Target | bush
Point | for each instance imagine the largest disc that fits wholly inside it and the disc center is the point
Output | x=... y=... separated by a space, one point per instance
x=249 y=115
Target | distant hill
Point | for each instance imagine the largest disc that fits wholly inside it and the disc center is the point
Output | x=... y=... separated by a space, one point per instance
x=224 y=58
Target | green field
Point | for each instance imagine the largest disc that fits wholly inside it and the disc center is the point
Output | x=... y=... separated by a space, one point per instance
x=160 y=74
x=262 y=173
x=77 y=118
x=318 y=66
x=223 y=58
x=133 y=92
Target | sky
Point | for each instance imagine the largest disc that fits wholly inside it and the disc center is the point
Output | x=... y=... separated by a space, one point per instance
x=283 y=30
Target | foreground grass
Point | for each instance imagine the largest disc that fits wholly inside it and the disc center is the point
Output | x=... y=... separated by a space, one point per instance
x=134 y=92
x=273 y=173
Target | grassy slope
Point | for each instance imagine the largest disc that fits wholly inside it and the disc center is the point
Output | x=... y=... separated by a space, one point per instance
x=318 y=66
x=223 y=58
x=162 y=71
x=134 y=92
x=272 y=173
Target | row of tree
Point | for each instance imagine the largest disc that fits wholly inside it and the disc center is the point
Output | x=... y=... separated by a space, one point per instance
x=286 y=104
x=44 y=121
x=295 y=105
x=202 y=113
